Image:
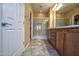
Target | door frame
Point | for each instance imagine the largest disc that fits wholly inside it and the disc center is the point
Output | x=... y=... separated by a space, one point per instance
x=72 y=20
x=31 y=25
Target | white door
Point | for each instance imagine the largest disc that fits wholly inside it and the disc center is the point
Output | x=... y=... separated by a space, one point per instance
x=0 y=30
x=12 y=28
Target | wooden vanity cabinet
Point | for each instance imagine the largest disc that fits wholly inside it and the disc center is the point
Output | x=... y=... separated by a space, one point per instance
x=52 y=36
x=71 y=42
x=59 y=41
x=65 y=40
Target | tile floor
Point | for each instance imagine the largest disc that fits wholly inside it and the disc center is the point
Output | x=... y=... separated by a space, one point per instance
x=40 y=48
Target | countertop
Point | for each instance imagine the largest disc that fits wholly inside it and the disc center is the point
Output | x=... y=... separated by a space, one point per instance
x=70 y=26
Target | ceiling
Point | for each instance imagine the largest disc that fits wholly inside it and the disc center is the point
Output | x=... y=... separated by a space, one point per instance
x=67 y=6
x=45 y=6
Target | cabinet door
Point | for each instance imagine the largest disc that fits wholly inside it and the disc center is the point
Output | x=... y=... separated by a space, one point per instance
x=59 y=42
x=52 y=37
x=71 y=45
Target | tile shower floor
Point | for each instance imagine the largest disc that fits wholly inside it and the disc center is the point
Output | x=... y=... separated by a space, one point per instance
x=40 y=48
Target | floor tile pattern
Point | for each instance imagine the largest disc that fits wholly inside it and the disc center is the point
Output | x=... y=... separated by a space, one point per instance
x=40 y=47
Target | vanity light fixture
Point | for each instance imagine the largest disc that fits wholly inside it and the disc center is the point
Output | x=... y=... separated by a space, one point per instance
x=57 y=6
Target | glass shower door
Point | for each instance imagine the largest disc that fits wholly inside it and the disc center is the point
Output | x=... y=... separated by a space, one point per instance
x=40 y=30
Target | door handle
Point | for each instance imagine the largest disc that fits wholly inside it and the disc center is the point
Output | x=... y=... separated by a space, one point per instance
x=5 y=24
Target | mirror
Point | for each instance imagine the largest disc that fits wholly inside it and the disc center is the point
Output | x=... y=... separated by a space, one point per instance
x=76 y=19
